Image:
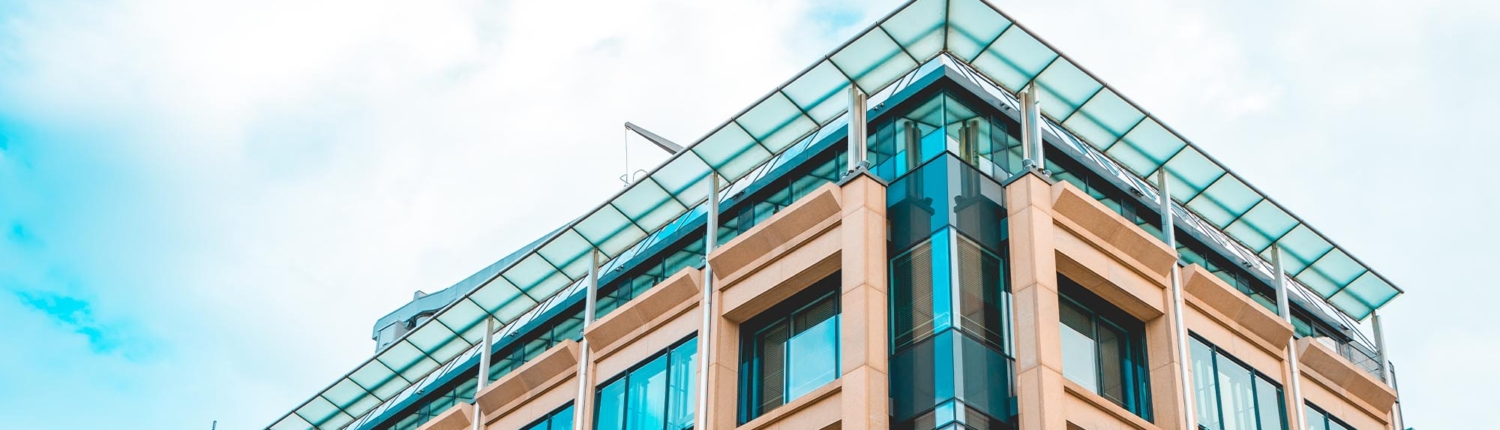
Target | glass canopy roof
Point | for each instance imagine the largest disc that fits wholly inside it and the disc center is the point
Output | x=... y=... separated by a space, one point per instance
x=971 y=31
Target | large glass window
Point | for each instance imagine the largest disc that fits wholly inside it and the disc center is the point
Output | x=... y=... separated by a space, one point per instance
x=655 y=395
x=1231 y=395
x=790 y=350
x=561 y=419
x=1318 y=419
x=1103 y=349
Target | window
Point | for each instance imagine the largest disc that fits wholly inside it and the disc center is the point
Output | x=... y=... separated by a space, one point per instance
x=1103 y=349
x=1232 y=396
x=655 y=395
x=1317 y=419
x=790 y=350
x=561 y=419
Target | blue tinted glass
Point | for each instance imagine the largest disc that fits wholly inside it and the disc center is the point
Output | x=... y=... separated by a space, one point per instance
x=1236 y=395
x=681 y=393
x=813 y=358
x=987 y=379
x=647 y=398
x=1268 y=401
x=1205 y=391
x=562 y=420
x=610 y=412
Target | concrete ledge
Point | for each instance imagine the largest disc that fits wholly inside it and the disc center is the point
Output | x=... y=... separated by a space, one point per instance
x=818 y=409
x=632 y=319
x=561 y=360
x=1106 y=413
x=1214 y=293
x=1087 y=214
x=783 y=274
x=1316 y=357
x=455 y=418
x=783 y=231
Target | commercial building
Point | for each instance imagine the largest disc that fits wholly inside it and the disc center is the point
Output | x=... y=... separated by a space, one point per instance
x=943 y=224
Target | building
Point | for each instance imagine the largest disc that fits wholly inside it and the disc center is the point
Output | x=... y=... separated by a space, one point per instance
x=977 y=243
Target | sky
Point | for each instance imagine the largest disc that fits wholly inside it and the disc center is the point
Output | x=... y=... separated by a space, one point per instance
x=205 y=205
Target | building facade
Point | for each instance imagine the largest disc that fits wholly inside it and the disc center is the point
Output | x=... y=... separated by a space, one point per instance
x=944 y=224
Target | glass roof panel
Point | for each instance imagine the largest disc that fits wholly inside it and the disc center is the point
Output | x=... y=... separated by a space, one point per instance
x=1333 y=270
x=919 y=27
x=1368 y=290
x=602 y=226
x=513 y=309
x=819 y=91
x=496 y=293
x=419 y=369
x=1133 y=159
x=1105 y=118
x=566 y=249
x=378 y=379
x=873 y=60
x=399 y=357
x=548 y=286
x=776 y=122
x=1261 y=226
x=972 y=25
x=1066 y=89
x=431 y=336
x=336 y=421
x=685 y=177
x=317 y=411
x=1192 y=173
x=1223 y=201
x=528 y=272
x=726 y=143
x=466 y=318
x=291 y=422
x=1014 y=59
x=345 y=393
x=363 y=404
x=1153 y=141
x=1300 y=248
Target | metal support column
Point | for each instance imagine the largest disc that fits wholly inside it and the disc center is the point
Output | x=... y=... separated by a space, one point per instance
x=590 y=296
x=705 y=340
x=856 y=140
x=1032 y=148
x=484 y=369
x=1169 y=235
x=1294 y=370
x=1387 y=374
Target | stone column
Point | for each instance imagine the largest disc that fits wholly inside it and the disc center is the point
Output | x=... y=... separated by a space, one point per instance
x=863 y=330
x=1039 y=380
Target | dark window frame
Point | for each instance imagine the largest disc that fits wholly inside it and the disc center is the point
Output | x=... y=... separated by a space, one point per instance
x=551 y=417
x=1134 y=368
x=622 y=377
x=1256 y=375
x=752 y=331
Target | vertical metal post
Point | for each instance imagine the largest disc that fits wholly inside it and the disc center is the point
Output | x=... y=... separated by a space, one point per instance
x=1032 y=148
x=484 y=369
x=1294 y=371
x=857 y=112
x=1169 y=235
x=590 y=297
x=1387 y=374
x=705 y=340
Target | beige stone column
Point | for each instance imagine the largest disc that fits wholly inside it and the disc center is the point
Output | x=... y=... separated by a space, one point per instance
x=864 y=357
x=1167 y=397
x=1039 y=380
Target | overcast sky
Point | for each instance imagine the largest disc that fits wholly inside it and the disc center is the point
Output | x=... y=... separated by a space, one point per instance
x=205 y=205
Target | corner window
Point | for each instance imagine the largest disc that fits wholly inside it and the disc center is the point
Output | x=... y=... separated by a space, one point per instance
x=655 y=395
x=1230 y=395
x=1103 y=349
x=790 y=350
x=561 y=419
x=1317 y=419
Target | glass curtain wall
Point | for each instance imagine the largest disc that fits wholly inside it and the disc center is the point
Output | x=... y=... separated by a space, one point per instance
x=952 y=363
x=655 y=395
x=1230 y=395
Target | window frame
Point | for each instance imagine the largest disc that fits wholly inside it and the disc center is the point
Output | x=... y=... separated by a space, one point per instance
x=752 y=331
x=1256 y=376
x=1134 y=369
x=551 y=417
x=1329 y=421
x=623 y=377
